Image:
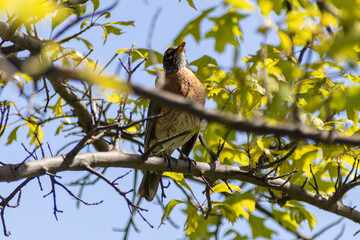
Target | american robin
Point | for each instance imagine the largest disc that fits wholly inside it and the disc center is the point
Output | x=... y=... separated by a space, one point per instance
x=181 y=80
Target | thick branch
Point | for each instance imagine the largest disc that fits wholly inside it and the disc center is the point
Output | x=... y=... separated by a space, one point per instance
x=79 y=108
x=19 y=38
x=57 y=81
x=228 y=119
x=208 y=170
x=233 y=121
x=157 y=95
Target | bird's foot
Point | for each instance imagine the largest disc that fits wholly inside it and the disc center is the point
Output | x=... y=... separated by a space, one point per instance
x=189 y=160
x=168 y=159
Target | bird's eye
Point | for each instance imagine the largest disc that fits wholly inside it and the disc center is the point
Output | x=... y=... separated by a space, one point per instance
x=168 y=55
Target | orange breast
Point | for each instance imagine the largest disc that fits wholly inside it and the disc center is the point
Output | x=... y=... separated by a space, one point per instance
x=185 y=83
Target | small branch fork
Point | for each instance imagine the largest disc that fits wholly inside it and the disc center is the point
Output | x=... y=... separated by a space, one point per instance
x=214 y=160
x=5 y=202
x=54 y=182
x=293 y=145
x=97 y=131
x=131 y=205
x=125 y=96
x=342 y=187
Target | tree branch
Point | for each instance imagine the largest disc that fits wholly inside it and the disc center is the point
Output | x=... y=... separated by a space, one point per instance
x=117 y=159
x=233 y=121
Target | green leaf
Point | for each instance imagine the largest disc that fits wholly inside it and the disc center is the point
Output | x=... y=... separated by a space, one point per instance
x=83 y=24
x=179 y=177
x=61 y=127
x=192 y=221
x=228 y=211
x=241 y=202
x=124 y=23
x=86 y=42
x=193 y=28
x=112 y=29
x=240 y=4
x=61 y=15
x=106 y=14
x=35 y=131
x=12 y=135
x=121 y=50
x=191 y=4
x=141 y=53
x=299 y=213
x=266 y=6
x=96 y=4
x=258 y=227
x=226 y=30
x=223 y=187
x=237 y=235
x=260 y=143
x=204 y=65
x=115 y=98
x=58 y=107
x=285 y=220
x=169 y=207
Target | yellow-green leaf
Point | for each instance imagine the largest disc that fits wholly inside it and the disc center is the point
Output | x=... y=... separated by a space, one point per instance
x=121 y=50
x=241 y=4
x=226 y=30
x=114 y=98
x=223 y=187
x=193 y=28
x=169 y=207
x=179 y=177
x=12 y=135
x=260 y=143
x=228 y=212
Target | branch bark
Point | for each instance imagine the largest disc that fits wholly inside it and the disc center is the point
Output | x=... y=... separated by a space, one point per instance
x=213 y=171
x=57 y=81
x=19 y=38
x=233 y=121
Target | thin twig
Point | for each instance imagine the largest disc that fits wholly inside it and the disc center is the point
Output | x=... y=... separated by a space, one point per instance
x=209 y=208
x=316 y=185
x=131 y=205
x=5 y=203
x=160 y=143
x=74 y=196
x=214 y=157
x=78 y=19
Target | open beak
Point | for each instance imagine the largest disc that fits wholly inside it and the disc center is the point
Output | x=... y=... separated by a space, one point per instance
x=180 y=49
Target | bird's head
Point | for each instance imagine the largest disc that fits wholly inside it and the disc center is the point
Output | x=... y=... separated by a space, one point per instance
x=175 y=59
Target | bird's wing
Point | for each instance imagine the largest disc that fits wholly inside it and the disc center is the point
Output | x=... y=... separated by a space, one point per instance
x=154 y=109
x=189 y=145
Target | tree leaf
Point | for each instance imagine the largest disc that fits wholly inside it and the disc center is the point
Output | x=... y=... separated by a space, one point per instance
x=240 y=4
x=258 y=227
x=12 y=136
x=193 y=28
x=86 y=42
x=169 y=207
x=222 y=187
x=61 y=15
x=123 y=23
x=228 y=212
x=96 y=4
x=226 y=30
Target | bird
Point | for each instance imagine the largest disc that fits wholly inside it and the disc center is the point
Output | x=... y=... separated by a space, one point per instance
x=179 y=79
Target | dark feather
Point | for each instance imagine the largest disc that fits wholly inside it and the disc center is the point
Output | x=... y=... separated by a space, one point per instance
x=154 y=109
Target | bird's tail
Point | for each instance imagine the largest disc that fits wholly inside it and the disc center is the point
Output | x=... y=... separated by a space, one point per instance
x=149 y=185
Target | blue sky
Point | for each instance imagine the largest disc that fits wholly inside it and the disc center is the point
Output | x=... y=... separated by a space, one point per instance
x=34 y=218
